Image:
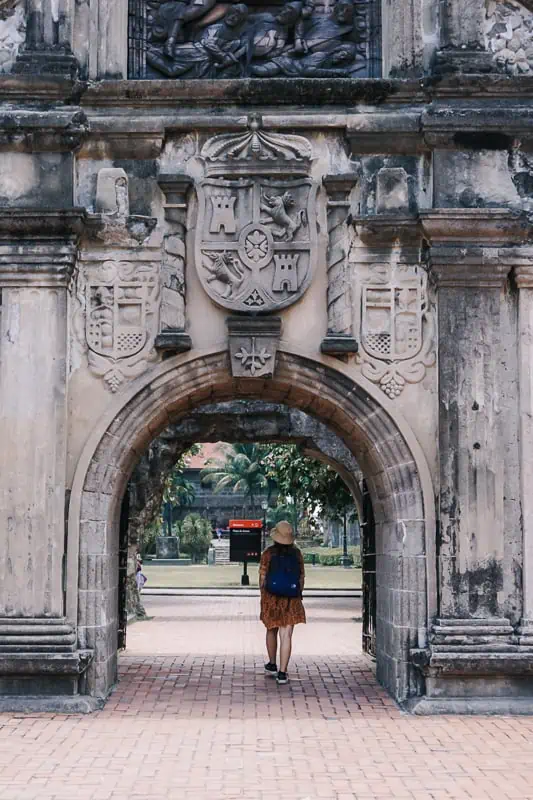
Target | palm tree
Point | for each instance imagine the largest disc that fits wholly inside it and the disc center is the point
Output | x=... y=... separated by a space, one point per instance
x=178 y=491
x=241 y=469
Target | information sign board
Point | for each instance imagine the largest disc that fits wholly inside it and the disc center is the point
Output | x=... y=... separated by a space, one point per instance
x=245 y=540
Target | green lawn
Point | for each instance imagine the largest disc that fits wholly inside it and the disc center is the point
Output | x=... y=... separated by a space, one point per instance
x=229 y=577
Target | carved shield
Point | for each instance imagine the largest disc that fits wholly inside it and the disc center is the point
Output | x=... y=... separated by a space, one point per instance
x=256 y=241
x=116 y=317
x=392 y=320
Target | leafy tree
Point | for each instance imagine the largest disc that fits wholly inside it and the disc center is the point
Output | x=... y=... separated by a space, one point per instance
x=306 y=486
x=242 y=469
x=196 y=537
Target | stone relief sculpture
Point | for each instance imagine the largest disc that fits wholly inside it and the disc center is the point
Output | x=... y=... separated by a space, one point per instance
x=173 y=283
x=119 y=301
x=256 y=233
x=117 y=285
x=172 y=337
x=339 y=339
x=396 y=323
x=209 y=39
x=113 y=224
x=509 y=31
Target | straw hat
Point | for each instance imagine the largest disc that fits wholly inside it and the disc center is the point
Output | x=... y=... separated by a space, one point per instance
x=283 y=533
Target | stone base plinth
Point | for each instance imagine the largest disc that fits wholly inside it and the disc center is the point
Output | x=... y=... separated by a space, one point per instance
x=338 y=345
x=42 y=674
x=38 y=657
x=167 y=547
x=51 y=704
x=495 y=706
x=170 y=342
x=474 y=666
x=465 y=62
x=46 y=62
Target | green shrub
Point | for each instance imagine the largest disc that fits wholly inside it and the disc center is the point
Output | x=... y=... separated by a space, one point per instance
x=331 y=556
x=195 y=537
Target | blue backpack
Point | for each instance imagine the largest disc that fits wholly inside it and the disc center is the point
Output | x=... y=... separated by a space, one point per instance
x=283 y=577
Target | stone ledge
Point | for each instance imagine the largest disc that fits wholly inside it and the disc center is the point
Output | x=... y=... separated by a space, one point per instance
x=41 y=223
x=427 y=706
x=474 y=226
x=56 y=704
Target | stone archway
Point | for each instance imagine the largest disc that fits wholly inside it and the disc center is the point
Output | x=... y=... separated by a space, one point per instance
x=385 y=448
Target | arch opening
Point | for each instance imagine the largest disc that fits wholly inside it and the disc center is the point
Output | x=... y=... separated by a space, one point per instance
x=385 y=449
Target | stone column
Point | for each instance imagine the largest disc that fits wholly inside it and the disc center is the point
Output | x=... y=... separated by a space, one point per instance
x=463 y=39
x=37 y=643
x=339 y=339
x=172 y=337
x=48 y=46
x=524 y=280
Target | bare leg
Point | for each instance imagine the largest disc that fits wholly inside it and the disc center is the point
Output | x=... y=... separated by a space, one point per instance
x=285 y=638
x=272 y=644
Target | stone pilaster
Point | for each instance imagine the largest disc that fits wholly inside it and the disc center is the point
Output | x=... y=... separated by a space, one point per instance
x=472 y=652
x=470 y=279
x=37 y=644
x=463 y=40
x=172 y=337
x=523 y=273
x=47 y=49
x=339 y=339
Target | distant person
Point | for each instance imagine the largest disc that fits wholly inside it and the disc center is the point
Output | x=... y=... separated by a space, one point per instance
x=281 y=580
x=140 y=577
x=219 y=533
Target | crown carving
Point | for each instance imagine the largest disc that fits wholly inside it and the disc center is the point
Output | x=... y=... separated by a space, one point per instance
x=256 y=152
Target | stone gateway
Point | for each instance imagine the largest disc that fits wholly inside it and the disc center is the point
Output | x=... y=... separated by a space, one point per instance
x=322 y=208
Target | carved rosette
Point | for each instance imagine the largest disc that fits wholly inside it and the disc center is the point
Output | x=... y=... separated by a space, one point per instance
x=256 y=233
x=394 y=316
x=118 y=296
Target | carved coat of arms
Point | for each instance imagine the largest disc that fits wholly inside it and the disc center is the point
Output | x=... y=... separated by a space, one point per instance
x=396 y=322
x=392 y=320
x=118 y=300
x=256 y=241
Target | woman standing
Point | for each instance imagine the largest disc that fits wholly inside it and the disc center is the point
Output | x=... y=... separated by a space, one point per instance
x=281 y=580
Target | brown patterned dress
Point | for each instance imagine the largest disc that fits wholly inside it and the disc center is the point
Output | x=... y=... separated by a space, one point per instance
x=277 y=612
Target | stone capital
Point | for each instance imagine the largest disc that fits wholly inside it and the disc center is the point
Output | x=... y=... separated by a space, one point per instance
x=521 y=262
x=468 y=267
x=469 y=247
x=38 y=247
x=340 y=184
x=175 y=188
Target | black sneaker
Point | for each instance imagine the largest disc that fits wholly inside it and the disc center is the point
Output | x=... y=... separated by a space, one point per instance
x=271 y=669
x=282 y=677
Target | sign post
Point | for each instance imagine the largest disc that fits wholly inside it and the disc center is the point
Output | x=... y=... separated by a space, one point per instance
x=245 y=544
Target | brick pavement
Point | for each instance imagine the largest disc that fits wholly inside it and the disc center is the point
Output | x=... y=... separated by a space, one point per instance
x=194 y=718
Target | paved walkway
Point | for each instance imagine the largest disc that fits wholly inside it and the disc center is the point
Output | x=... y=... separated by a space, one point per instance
x=194 y=718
